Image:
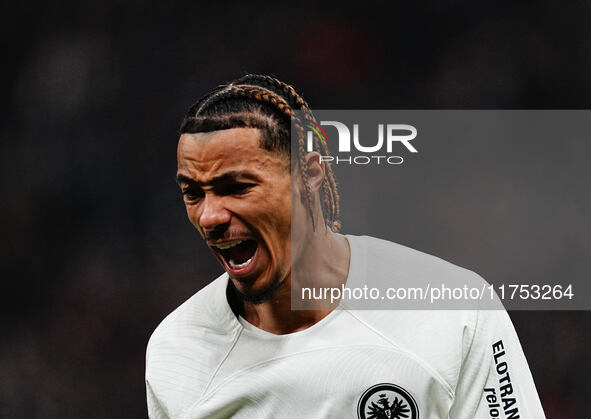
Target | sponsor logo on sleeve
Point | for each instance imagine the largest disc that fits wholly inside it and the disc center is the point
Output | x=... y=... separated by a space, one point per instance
x=501 y=398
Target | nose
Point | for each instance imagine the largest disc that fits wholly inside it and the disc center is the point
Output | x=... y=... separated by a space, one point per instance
x=213 y=215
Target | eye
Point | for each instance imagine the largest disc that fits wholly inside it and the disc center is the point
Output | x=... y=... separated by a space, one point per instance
x=235 y=188
x=192 y=194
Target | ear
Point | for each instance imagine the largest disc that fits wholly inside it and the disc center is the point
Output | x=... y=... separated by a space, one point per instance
x=314 y=168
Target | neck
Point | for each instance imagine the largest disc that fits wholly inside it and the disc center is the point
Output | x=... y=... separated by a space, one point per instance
x=325 y=258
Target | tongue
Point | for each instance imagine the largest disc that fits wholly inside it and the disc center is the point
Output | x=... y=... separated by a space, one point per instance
x=242 y=252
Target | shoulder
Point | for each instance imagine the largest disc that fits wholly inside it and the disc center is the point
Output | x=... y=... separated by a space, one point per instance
x=386 y=257
x=411 y=279
x=204 y=317
x=187 y=346
x=202 y=310
x=440 y=338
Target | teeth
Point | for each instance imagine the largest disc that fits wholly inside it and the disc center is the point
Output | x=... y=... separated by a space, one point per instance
x=238 y=265
x=224 y=246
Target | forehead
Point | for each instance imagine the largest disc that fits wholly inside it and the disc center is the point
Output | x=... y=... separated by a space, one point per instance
x=205 y=155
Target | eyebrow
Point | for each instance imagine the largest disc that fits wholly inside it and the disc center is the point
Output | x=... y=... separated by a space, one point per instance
x=227 y=177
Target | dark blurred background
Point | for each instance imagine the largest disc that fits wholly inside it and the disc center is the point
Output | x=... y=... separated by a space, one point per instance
x=96 y=249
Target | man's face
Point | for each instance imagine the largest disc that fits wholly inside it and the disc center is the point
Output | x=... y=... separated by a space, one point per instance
x=237 y=195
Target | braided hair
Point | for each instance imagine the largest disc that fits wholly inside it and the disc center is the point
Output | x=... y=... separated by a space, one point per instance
x=266 y=103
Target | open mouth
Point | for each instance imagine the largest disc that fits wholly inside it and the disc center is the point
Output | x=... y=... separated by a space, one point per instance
x=237 y=254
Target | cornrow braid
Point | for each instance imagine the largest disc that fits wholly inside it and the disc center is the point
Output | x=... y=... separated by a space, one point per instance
x=264 y=102
x=295 y=100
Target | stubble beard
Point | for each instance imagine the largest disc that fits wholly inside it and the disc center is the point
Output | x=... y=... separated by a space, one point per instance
x=256 y=297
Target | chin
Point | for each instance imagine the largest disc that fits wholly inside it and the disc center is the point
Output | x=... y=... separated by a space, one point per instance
x=248 y=294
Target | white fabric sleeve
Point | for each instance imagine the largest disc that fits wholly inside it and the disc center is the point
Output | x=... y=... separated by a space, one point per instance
x=155 y=410
x=495 y=380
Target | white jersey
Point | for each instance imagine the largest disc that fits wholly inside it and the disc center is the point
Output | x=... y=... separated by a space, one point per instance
x=204 y=362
